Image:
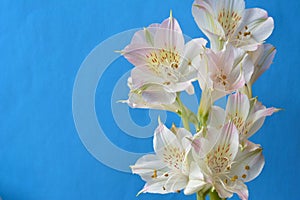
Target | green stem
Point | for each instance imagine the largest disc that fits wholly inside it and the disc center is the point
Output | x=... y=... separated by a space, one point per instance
x=204 y=107
x=184 y=115
x=214 y=196
x=200 y=196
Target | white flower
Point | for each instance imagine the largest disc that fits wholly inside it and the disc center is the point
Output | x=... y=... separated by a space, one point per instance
x=166 y=171
x=221 y=165
x=162 y=63
x=160 y=99
x=224 y=71
x=228 y=20
x=247 y=115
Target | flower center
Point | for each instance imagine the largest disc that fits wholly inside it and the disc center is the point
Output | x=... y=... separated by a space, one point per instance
x=229 y=21
x=173 y=156
x=164 y=63
x=220 y=159
x=221 y=79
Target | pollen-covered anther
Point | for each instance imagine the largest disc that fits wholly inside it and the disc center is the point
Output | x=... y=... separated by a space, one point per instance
x=247 y=167
x=234 y=178
x=154 y=174
x=244 y=176
x=222 y=79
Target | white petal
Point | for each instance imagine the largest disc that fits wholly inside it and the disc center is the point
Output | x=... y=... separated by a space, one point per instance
x=182 y=135
x=238 y=105
x=262 y=59
x=216 y=117
x=169 y=36
x=168 y=148
x=240 y=189
x=157 y=95
x=136 y=101
x=163 y=137
x=260 y=25
x=256 y=119
x=229 y=137
x=196 y=180
x=155 y=186
x=248 y=163
x=255 y=28
x=176 y=182
x=248 y=68
x=181 y=86
x=146 y=165
x=192 y=49
x=205 y=18
x=142 y=75
x=222 y=192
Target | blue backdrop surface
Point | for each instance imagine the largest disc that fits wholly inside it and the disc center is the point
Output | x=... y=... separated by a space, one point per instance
x=43 y=44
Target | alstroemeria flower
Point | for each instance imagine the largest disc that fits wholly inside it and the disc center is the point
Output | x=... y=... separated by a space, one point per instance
x=228 y=20
x=262 y=59
x=223 y=166
x=162 y=62
x=224 y=71
x=137 y=98
x=166 y=171
x=247 y=115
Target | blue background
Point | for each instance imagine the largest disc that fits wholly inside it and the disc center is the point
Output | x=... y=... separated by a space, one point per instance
x=43 y=44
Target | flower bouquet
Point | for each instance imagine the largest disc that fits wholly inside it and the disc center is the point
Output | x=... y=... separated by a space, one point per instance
x=218 y=158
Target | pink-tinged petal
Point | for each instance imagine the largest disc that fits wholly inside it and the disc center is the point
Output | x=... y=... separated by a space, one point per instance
x=157 y=95
x=222 y=192
x=196 y=180
x=240 y=189
x=257 y=118
x=137 y=53
x=262 y=59
x=143 y=75
x=204 y=141
x=169 y=36
x=141 y=45
x=145 y=36
x=226 y=58
x=238 y=106
x=149 y=165
x=248 y=163
x=216 y=117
